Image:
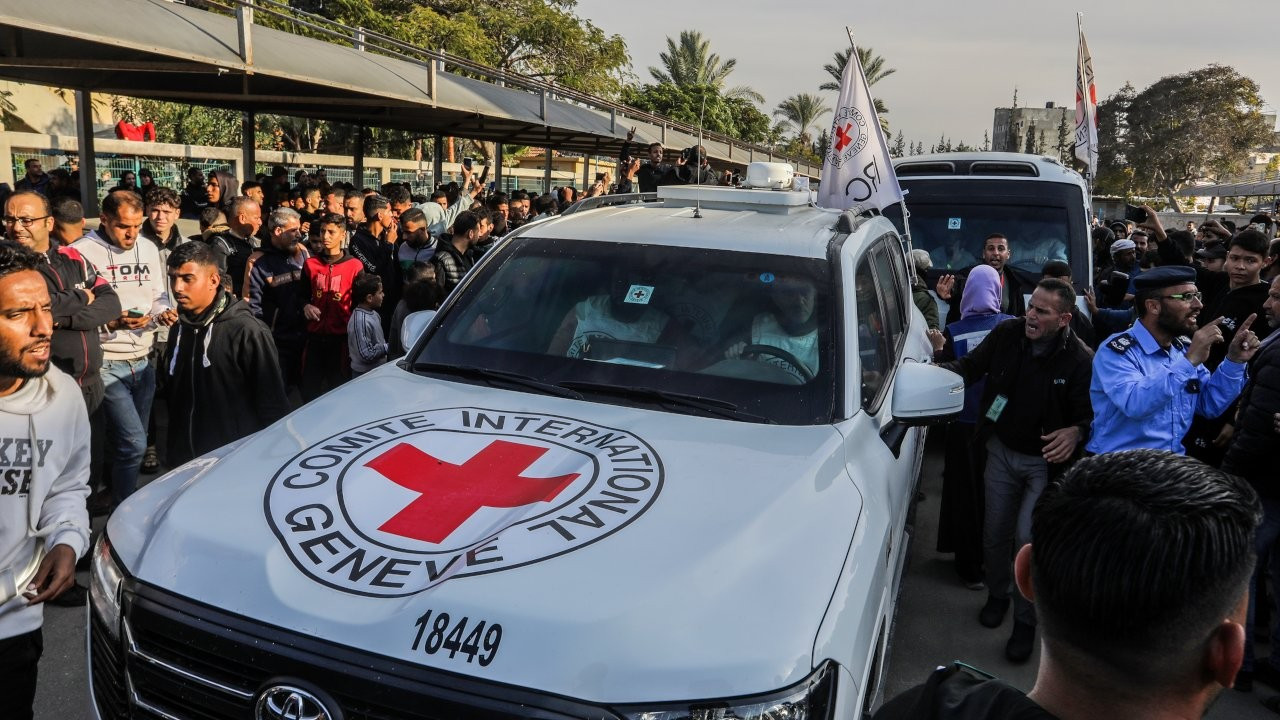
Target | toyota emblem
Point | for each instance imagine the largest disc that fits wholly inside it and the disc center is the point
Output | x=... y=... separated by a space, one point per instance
x=288 y=702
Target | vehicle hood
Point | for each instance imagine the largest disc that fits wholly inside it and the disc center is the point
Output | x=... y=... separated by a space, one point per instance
x=629 y=555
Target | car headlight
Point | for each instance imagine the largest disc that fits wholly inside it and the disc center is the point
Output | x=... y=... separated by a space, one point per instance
x=104 y=586
x=811 y=699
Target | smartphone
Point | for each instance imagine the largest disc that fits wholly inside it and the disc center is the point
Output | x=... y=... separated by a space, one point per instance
x=599 y=177
x=136 y=313
x=466 y=163
x=1135 y=213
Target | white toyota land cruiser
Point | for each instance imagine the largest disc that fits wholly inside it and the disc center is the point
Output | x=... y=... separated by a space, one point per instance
x=649 y=462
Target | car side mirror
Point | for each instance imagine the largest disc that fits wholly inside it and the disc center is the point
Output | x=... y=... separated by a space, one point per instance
x=926 y=395
x=414 y=325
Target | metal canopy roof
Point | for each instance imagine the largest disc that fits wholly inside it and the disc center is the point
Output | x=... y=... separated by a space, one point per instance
x=168 y=51
x=1251 y=188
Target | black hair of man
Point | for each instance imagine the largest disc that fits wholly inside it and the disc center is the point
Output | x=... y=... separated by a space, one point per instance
x=546 y=204
x=372 y=204
x=279 y=171
x=310 y=190
x=497 y=199
x=200 y=253
x=295 y=194
x=337 y=191
x=116 y=200
x=398 y=195
x=1066 y=294
x=1184 y=241
x=1250 y=241
x=211 y=216
x=413 y=215
x=1103 y=236
x=15 y=258
x=1056 y=269
x=29 y=161
x=157 y=196
x=331 y=219
x=466 y=221
x=248 y=185
x=1229 y=225
x=1137 y=556
x=67 y=211
x=365 y=284
x=439 y=195
x=422 y=290
x=519 y=195
x=994 y=236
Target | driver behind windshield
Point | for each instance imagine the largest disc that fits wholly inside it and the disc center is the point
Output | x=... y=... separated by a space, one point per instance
x=786 y=336
x=624 y=313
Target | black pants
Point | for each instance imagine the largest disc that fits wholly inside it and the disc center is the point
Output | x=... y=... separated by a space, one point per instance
x=960 y=513
x=19 y=662
x=325 y=365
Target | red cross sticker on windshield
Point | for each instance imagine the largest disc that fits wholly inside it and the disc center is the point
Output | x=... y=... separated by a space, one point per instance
x=843 y=138
x=451 y=494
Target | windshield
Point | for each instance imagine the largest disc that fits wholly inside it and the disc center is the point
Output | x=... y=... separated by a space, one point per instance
x=953 y=234
x=637 y=324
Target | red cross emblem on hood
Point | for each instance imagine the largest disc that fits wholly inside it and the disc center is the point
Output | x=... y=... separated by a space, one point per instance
x=451 y=494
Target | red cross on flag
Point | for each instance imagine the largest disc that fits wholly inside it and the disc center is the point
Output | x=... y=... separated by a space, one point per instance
x=856 y=172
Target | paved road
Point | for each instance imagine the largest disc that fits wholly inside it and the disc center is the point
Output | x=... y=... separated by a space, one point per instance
x=936 y=623
x=937 y=619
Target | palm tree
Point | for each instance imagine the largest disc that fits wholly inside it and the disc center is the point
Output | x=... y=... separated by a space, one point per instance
x=801 y=111
x=872 y=66
x=690 y=62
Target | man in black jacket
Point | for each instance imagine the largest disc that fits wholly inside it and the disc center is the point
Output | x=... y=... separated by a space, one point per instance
x=1252 y=456
x=1139 y=572
x=643 y=177
x=83 y=301
x=224 y=379
x=1035 y=415
x=235 y=244
x=995 y=252
x=275 y=292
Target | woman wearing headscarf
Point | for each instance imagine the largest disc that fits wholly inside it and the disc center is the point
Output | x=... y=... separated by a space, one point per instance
x=960 y=515
x=221 y=188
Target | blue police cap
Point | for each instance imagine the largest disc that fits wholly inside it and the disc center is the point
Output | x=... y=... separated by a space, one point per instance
x=1165 y=276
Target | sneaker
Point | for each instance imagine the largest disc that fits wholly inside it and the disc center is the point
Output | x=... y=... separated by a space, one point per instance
x=1244 y=681
x=1021 y=643
x=974 y=584
x=992 y=614
x=150 y=461
x=73 y=597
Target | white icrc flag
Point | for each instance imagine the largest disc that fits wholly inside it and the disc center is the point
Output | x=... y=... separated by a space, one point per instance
x=857 y=173
x=1086 y=146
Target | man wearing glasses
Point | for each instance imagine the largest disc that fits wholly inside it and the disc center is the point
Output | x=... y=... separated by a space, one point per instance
x=1149 y=381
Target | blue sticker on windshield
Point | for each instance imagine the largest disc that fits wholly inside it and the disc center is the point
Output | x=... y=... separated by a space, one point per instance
x=639 y=294
x=766 y=277
x=953 y=223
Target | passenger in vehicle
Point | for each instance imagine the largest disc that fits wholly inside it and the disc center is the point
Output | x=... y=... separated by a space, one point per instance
x=953 y=254
x=787 y=336
x=624 y=313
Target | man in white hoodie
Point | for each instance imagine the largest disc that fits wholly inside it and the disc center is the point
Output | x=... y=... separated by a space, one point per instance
x=135 y=271
x=44 y=473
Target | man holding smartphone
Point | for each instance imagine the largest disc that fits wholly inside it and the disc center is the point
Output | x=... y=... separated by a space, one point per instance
x=135 y=272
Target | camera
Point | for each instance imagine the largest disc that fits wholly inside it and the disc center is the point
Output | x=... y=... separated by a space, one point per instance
x=1135 y=213
x=691 y=155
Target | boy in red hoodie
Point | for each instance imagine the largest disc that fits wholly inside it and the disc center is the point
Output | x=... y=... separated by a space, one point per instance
x=327 y=277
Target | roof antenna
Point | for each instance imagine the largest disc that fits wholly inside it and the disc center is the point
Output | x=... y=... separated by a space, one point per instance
x=697 y=158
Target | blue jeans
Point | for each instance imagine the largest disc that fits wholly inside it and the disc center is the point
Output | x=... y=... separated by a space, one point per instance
x=1265 y=540
x=130 y=386
x=1013 y=482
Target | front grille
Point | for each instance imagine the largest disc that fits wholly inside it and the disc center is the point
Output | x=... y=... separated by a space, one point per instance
x=108 y=682
x=188 y=661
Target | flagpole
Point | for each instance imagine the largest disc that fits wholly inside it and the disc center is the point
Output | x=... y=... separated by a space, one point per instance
x=906 y=214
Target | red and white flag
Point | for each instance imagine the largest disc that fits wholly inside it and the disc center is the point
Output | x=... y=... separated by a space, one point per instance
x=1086 y=107
x=856 y=172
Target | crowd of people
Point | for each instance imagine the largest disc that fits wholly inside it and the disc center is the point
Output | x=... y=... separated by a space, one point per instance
x=1179 y=357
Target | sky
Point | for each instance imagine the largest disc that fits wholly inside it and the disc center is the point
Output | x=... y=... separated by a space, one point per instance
x=956 y=61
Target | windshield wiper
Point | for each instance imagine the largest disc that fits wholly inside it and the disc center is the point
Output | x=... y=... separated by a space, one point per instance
x=480 y=373
x=713 y=406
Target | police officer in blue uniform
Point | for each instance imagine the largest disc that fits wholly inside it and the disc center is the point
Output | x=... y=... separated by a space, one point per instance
x=1149 y=380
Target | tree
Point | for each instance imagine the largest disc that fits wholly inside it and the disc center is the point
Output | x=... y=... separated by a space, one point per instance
x=735 y=117
x=873 y=66
x=1029 y=146
x=1066 y=143
x=1199 y=124
x=986 y=141
x=1114 y=173
x=690 y=62
x=899 y=146
x=801 y=111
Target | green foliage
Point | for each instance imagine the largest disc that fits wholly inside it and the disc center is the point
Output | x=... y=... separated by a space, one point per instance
x=1198 y=124
x=735 y=117
x=873 y=66
x=689 y=63
x=801 y=111
x=899 y=147
x=182 y=124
